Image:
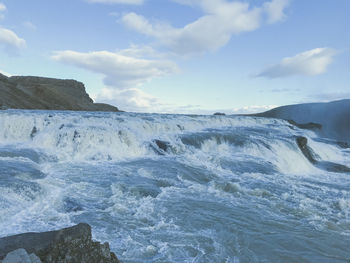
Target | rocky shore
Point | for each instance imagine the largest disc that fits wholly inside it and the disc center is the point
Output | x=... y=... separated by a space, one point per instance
x=69 y=245
x=46 y=94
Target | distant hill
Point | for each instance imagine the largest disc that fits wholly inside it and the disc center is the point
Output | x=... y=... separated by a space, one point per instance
x=333 y=116
x=46 y=94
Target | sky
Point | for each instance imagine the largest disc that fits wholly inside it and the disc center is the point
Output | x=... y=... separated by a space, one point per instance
x=184 y=56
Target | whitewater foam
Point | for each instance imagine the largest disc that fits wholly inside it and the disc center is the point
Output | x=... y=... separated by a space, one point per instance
x=175 y=188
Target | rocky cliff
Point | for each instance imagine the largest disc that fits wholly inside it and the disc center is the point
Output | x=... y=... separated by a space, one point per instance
x=46 y=94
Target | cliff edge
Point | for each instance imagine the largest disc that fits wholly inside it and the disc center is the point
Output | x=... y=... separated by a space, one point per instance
x=46 y=94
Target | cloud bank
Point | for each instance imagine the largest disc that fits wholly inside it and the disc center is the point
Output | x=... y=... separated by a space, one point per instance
x=132 y=99
x=124 y=72
x=129 y=2
x=221 y=20
x=308 y=63
x=120 y=71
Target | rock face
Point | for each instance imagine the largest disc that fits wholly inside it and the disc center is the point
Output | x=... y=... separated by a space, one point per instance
x=68 y=245
x=46 y=94
x=333 y=117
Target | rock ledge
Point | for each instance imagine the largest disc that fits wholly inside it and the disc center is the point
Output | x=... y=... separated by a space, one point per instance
x=68 y=245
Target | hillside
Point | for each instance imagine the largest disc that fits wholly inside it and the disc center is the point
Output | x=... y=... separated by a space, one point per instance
x=333 y=116
x=46 y=94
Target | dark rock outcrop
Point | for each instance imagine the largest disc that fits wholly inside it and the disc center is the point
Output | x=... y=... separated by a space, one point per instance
x=304 y=148
x=46 y=94
x=333 y=116
x=219 y=114
x=313 y=158
x=68 y=245
x=343 y=145
x=160 y=147
x=308 y=126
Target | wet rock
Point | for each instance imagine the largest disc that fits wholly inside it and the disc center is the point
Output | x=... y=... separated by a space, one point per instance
x=182 y=128
x=219 y=114
x=343 y=145
x=307 y=152
x=71 y=205
x=161 y=147
x=333 y=167
x=324 y=165
x=68 y=245
x=307 y=126
x=76 y=135
x=33 y=132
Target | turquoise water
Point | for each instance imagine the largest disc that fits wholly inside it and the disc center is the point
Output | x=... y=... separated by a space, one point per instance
x=176 y=188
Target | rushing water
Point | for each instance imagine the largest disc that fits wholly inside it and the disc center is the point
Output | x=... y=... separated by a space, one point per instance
x=176 y=188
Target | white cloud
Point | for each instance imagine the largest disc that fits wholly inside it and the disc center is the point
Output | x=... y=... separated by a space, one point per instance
x=132 y=99
x=136 y=51
x=10 y=40
x=198 y=109
x=221 y=20
x=129 y=2
x=136 y=100
x=2 y=7
x=120 y=71
x=275 y=10
x=308 y=63
x=124 y=71
x=253 y=109
x=29 y=25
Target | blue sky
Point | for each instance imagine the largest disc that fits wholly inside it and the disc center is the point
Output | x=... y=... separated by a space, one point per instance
x=184 y=56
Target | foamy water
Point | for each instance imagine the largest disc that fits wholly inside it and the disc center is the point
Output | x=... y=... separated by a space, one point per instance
x=175 y=188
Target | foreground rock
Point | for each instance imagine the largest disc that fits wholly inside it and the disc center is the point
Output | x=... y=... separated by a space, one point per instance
x=21 y=256
x=68 y=245
x=46 y=94
x=331 y=120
